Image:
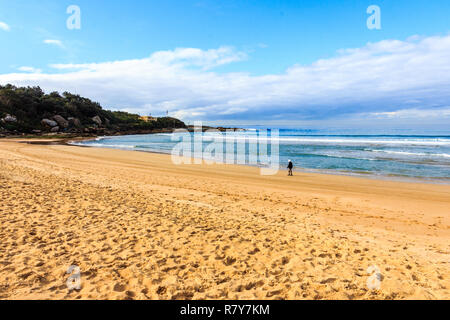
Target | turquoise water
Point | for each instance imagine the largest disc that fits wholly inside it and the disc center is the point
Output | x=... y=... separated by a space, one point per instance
x=398 y=154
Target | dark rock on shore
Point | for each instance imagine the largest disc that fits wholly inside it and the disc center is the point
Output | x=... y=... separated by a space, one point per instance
x=49 y=123
x=97 y=120
x=63 y=123
x=221 y=129
x=9 y=118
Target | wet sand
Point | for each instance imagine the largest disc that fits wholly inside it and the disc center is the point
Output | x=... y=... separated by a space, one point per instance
x=140 y=227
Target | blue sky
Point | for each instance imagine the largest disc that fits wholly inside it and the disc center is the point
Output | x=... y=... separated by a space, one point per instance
x=237 y=44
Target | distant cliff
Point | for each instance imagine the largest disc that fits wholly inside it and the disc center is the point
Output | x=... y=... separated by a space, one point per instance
x=30 y=111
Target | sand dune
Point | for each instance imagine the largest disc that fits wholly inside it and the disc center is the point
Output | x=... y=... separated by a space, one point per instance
x=139 y=227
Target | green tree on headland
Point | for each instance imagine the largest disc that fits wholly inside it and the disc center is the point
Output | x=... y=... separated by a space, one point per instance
x=23 y=109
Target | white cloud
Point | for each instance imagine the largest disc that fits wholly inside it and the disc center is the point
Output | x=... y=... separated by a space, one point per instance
x=381 y=77
x=181 y=57
x=4 y=26
x=54 y=42
x=29 y=69
x=414 y=114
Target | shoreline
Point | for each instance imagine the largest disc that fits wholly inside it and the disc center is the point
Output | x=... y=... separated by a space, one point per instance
x=370 y=176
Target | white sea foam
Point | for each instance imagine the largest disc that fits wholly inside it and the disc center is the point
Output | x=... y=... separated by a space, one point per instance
x=346 y=141
x=251 y=136
x=104 y=145
x=444 y=155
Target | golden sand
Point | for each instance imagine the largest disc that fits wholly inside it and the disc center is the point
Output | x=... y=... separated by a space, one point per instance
x=140 y=227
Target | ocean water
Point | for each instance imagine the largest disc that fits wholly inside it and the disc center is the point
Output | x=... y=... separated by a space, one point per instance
x=397 y=154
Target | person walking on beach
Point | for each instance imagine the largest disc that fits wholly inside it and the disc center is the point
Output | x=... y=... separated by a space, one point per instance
x=290 y=167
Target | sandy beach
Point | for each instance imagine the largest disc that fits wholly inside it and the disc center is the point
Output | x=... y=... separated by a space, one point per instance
x=139 y=227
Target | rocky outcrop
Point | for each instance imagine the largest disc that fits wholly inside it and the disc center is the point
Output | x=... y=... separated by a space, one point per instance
x=49 y=123
x=9 y=118
x=63 y=123
x=75 y=122
x=26 y=109
x=97 y=120
x=55 y=129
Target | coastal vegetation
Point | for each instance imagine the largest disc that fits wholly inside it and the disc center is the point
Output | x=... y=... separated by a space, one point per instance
x=29 y=110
